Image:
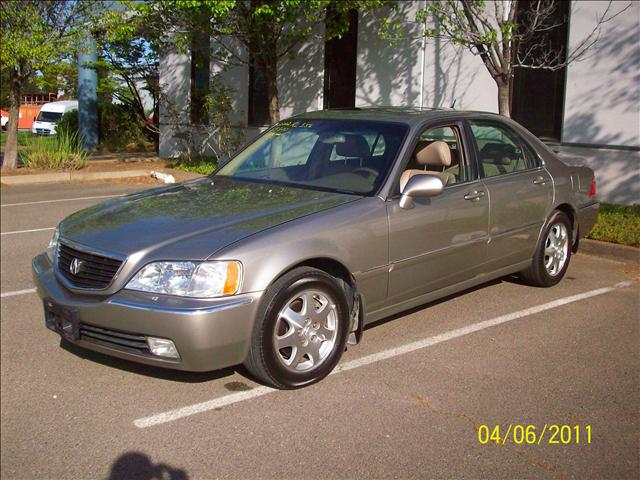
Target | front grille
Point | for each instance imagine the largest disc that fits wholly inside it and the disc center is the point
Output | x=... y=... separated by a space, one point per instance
x=42 y=131
x=128 y=342
x=95 y=271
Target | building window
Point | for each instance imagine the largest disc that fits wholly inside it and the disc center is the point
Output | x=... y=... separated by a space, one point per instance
x=340 y=56
x=200 y=71
x=258 y=95
x=546 y=86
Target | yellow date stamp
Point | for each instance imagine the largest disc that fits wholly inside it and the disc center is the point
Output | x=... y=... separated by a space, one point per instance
x=549 y=434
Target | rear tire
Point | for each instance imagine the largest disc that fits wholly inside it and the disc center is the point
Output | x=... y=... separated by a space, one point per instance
x=300 y=331
x=553 y=253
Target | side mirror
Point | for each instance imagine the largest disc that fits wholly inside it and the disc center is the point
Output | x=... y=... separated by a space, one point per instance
x=421 y=185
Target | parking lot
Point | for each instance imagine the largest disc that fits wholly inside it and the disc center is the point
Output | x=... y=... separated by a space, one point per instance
x=406 y=403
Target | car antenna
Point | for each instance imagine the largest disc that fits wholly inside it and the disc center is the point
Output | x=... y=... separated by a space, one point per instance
x=453 y=105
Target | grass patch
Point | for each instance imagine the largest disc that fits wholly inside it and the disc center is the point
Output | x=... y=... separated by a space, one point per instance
x=24 y=138
x=618 y=224
x=200 y=165
x=60 y=152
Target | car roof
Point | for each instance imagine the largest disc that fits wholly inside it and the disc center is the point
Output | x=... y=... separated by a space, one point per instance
x=408 y=115
x=61 y=104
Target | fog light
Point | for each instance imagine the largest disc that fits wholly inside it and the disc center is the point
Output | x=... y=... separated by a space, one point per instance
x=162 y=347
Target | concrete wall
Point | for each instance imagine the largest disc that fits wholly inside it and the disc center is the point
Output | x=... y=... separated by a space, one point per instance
x=175 y=80
x=602 y=102
x=394 y=73
x=617 y=171
x=301 y=79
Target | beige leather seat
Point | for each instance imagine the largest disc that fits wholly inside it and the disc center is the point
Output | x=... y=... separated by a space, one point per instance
x=434 y=159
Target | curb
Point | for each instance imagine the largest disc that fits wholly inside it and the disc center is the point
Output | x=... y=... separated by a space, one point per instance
x=69 y=177
x=612 y=251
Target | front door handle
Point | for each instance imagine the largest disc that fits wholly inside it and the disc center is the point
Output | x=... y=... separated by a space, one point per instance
x=474 y=195
x=539 y=181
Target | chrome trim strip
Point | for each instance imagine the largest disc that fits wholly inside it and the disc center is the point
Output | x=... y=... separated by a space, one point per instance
x=515 y=173
x=182 y=311
x=92 y=250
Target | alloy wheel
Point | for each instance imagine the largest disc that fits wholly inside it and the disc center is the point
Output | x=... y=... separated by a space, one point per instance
x=556 y=249
x=306 y=330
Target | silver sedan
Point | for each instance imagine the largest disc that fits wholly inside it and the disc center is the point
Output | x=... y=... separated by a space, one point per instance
x=326 y=222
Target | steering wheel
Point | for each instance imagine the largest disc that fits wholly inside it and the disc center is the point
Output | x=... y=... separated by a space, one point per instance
x=366 y=172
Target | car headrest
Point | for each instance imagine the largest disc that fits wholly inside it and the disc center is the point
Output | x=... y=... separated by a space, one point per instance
x=436 y=154
x=497 y=153
x=353 y=146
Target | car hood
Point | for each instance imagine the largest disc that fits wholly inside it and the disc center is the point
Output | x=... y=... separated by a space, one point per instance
x=194 y=219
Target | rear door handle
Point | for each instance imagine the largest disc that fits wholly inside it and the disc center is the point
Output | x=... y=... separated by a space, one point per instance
x=474 y=195
x=539 y=181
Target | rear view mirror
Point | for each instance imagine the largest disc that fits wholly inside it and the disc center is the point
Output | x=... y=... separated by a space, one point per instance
x=420 y=185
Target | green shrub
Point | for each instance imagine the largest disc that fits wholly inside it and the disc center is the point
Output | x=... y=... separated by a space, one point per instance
x=60 y=152
x=618 y=224
x=195 y=164
x=68 y=124
x=120 y=129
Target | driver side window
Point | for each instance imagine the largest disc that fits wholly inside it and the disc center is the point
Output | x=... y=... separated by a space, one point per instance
x=439 y=152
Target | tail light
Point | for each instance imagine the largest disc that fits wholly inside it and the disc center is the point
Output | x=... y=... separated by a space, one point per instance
x=592 y=189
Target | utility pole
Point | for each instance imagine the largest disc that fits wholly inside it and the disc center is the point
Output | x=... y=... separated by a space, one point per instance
x=88 y=94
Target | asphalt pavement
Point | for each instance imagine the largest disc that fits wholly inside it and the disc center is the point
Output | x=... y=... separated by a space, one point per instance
x=409 y=402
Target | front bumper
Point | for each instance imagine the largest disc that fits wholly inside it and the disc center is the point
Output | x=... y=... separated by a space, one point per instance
x=209 y=334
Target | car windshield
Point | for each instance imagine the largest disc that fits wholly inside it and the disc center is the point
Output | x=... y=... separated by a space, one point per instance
x=334 y=155
x=52 y=117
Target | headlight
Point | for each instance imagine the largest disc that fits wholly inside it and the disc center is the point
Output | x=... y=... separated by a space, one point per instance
x=189 y=279
x=53 y=246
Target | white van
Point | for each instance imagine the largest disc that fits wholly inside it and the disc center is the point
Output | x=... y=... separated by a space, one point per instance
x=50 y=114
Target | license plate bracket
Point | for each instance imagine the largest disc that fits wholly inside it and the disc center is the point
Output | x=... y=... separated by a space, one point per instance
x=63 y=320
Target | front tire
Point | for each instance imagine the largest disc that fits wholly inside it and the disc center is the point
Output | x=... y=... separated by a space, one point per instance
x=300 y=331
x=553 y=253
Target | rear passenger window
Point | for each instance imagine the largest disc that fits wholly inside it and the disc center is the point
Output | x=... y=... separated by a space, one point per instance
x=499 y=150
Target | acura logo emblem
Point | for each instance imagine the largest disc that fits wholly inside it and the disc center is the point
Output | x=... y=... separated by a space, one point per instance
x=75 y=266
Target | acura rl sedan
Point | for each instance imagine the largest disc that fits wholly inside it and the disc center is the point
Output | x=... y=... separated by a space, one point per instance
x=326 y=222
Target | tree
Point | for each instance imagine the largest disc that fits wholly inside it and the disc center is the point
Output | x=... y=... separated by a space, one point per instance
x=129 y=66
x=35 y=36
x=272 y=30
x=266 y=30
x=507 y=35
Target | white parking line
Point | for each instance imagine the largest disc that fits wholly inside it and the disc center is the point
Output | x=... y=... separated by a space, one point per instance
x=28 y=231
x=17 y=292
x=60 y=200
x=178 y=413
